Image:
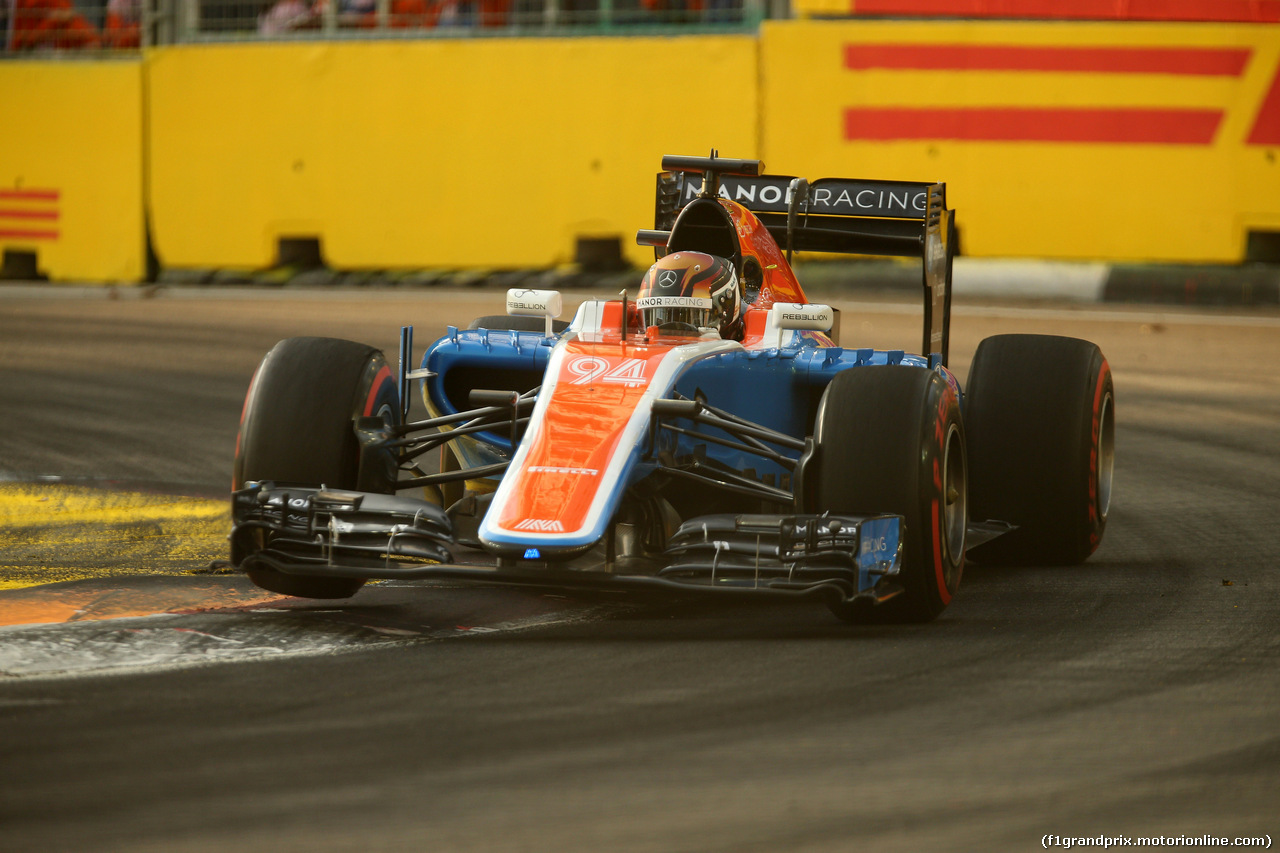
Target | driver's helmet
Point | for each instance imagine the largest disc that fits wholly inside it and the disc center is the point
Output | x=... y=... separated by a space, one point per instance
x=692 y=293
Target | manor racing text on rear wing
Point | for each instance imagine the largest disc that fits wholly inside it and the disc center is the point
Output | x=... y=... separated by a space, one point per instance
x=839 y=215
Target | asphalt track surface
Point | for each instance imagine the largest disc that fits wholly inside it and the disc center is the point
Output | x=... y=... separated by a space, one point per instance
x=1135 y=695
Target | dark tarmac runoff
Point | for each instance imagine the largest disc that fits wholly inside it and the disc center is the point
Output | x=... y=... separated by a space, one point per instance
x=153 y=700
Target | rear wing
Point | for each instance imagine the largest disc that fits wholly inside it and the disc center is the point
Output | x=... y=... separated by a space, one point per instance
x=841 y=215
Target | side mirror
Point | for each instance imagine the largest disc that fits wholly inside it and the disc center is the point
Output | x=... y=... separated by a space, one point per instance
x=809 y=317
x=535 y=303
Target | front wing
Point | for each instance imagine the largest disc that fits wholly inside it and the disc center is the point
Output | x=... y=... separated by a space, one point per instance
x=348 y=534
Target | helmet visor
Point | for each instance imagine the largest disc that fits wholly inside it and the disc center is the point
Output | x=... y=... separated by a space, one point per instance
x=693 y=312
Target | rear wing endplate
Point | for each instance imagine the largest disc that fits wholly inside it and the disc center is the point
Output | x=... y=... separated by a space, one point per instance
x=840 y=215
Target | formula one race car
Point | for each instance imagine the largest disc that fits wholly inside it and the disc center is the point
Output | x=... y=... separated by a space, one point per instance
x=708 y=436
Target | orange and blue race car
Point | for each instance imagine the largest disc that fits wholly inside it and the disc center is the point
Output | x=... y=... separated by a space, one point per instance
x=709 y=435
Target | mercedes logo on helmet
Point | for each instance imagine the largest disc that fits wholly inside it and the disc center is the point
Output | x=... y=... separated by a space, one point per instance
x=668 y=278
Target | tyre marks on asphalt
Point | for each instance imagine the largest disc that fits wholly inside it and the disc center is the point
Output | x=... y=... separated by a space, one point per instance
x=163 y=622
x=94 y=580
x=96 y=600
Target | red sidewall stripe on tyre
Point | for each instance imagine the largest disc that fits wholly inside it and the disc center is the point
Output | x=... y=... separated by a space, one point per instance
x=1104 y=372
x=937 y=555
x=384 y=375
x=941 y=435
x=244 y=410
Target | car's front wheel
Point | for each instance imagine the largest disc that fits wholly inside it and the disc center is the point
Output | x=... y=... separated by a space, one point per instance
x=890 y=440
x=298 y=428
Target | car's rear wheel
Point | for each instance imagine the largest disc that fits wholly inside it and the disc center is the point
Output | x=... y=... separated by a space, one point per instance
x=298 y=428
x=890 y=440
x=1040 y=417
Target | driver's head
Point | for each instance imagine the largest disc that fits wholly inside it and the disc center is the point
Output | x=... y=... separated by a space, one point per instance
x=692 y=293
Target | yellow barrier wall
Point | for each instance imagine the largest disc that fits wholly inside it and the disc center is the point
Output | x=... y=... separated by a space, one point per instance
x=485 y=153
x=1061 y=140
x=1069 y=140
x=71 y=167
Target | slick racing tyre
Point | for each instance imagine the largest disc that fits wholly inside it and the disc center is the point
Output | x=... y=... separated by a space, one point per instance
x=1040 y=418
x=517 y=323
x=298 y=428
x=890 y=440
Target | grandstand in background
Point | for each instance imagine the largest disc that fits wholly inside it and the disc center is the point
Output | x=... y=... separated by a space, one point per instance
x=59 y=26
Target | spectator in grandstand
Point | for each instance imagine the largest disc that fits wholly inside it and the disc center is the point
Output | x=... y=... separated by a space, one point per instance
x=493 y=13
x=357 y=13
x=579 y=12
x=468 y=13
x=285 y=16
x=124 y=19
x=51 y=24
x=401 y=14
x=724 y=11
x=410 y=14
x=450 y=13
x=675 y=11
